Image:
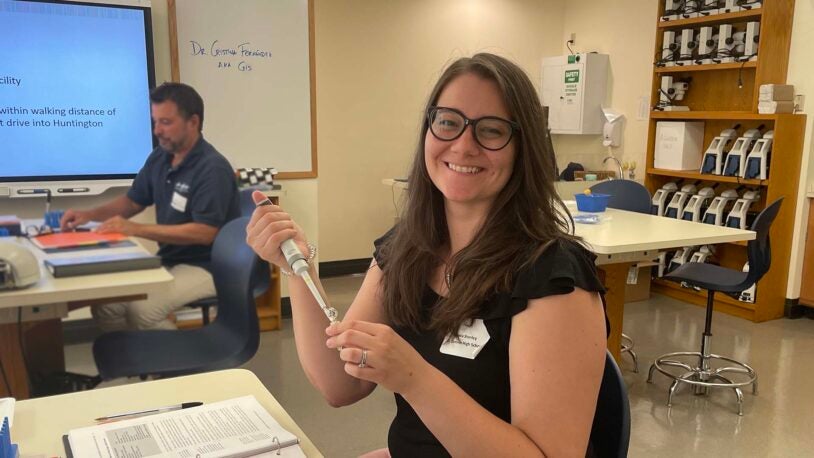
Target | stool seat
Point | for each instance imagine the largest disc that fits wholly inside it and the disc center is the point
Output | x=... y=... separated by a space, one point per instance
x=709 y=277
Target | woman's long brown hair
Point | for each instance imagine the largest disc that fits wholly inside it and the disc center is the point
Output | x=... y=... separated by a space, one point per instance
x=524 y=219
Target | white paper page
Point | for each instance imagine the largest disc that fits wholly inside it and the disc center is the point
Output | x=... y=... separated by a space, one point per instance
x=238 y=427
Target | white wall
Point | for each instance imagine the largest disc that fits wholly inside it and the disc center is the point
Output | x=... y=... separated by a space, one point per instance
x=376 y=63
x=801 y=75
x=625 y=30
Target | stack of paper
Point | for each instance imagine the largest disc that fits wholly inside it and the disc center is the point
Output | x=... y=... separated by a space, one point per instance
x=238 y=427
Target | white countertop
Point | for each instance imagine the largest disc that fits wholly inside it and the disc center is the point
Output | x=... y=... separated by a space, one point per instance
x=50 y=290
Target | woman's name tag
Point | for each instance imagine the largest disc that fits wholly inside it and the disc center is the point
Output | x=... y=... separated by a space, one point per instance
x=469 y=342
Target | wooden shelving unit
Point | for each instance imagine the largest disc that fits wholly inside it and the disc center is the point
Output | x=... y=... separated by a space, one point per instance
x=715 y=98
x=713 y=19
x=706 y=67
x=692 y=175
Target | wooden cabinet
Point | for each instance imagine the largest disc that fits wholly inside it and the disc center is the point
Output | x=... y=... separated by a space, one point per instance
x=722 y=95
x=807 y=282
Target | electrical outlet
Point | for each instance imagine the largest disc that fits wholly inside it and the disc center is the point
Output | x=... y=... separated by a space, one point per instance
x=573 y=38
x=799 y=102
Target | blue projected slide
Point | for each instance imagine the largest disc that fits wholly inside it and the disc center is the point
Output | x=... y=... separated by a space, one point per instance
x=74 y=91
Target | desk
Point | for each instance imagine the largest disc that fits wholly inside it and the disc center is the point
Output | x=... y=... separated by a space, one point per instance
x=40 y=423
x=48 y=301
x=624 y=238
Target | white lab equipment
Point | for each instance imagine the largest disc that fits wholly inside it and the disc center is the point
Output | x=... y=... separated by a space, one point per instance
x=696 y=205
x=757 y=162
x=715 y=212
x=714 y=155
x=18 y=266
x=612 y=130
x=574 y=89
x=736 y=159
x=662 y=196
x=737 y=217
x=676 y=206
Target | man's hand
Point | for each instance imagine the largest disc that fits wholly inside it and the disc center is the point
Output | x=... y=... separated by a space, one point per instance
x=73 y=219
x=120 y=225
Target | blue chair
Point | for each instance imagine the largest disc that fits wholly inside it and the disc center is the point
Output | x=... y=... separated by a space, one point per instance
x=205 y=304
x=610 y=433
x=229 y=341
x=716 y=278
x=631 y=196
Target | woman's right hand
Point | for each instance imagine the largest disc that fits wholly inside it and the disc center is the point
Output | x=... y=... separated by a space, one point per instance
x=268 y=228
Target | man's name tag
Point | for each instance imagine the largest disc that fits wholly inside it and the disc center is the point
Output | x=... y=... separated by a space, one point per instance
x=179 y=202
x=469 y=342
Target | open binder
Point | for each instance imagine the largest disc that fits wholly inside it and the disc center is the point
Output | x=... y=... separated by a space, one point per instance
x=235 y=428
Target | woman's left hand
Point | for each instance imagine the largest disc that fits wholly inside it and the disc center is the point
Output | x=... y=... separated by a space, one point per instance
x=389 y=360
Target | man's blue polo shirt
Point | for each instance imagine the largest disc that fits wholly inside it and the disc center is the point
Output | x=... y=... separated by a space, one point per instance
x=201 y=189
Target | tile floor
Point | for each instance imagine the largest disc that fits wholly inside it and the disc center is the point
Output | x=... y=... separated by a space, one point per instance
x=776 y=423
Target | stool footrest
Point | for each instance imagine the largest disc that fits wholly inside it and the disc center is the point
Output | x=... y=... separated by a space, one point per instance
x=702 y=376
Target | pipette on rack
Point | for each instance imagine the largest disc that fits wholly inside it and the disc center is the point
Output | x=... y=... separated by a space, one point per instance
x=299 y=266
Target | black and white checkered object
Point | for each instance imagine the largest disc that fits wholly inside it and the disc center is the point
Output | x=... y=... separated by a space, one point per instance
x=253 y=176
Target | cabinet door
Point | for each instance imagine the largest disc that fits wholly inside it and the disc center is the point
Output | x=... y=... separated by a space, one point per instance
x=553 y=94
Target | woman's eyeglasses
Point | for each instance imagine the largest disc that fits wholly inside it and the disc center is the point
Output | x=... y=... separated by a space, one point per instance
x=490 y=132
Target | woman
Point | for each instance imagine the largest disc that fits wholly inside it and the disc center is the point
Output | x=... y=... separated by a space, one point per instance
x=479 y=311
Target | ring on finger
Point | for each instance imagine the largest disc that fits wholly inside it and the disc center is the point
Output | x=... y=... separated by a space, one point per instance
x=363 y=361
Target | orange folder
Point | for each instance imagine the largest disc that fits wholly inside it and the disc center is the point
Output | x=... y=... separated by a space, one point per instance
x=76 y=239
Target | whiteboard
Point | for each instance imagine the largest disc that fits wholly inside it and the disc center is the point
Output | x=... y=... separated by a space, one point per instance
x=251 y=62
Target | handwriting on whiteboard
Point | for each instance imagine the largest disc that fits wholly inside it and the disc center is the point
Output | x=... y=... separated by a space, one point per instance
x=242 y=57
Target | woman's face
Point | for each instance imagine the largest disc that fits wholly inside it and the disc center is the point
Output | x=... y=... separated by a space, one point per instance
x=464 y=171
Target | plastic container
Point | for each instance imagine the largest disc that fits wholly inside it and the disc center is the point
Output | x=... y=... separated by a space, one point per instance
x=593 y=203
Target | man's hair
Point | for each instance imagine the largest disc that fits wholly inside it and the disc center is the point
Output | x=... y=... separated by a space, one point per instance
x=526 y=217
x=185 y=97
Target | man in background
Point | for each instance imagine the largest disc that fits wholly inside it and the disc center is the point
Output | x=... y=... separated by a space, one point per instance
x=194 y=191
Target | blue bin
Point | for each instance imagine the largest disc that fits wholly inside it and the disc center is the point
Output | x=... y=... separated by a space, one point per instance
x=593 y=203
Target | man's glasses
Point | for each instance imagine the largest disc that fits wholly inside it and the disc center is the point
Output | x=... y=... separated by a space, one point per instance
x=490 y=132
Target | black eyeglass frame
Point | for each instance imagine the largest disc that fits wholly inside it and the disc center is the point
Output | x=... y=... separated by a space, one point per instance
x=432 y=110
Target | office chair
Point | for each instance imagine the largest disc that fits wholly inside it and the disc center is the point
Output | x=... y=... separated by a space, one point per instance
x=205 y=304
x=716 y=278
x=229 y=341
x=631 y=196
x=610 y=433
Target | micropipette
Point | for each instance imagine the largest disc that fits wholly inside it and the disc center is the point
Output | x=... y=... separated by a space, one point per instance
x=299 y=266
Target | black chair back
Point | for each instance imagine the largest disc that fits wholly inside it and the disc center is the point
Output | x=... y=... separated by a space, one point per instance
x=610 y=433
x=236 y=270
x=231 y=340
x=759 y=250
x=624 y=195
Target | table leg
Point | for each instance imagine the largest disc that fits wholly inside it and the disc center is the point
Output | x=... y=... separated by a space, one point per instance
x=15 y=376
x=615 y=278
x=43 y=349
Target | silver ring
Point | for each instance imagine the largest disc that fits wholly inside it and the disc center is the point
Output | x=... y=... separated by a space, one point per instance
x=363 y=361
